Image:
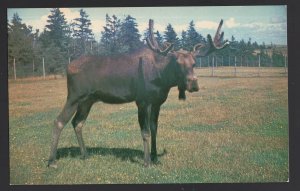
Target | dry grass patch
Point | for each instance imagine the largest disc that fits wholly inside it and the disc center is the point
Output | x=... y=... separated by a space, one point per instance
x=36 y=96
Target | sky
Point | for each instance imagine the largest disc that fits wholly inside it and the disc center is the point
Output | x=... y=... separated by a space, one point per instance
x=266 y=24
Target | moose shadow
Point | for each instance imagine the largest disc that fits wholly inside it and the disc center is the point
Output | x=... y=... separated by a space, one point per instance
x=124 y=154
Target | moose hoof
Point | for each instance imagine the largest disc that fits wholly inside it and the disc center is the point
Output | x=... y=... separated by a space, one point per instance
x=156 y=162
x=52 y=164
x=84 y=157
x=146 y=164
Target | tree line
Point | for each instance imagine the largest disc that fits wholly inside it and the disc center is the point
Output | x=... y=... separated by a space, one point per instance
x=61 y=42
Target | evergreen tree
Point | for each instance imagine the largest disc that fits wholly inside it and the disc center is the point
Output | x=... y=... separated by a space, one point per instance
x=58 y=29
x=157 y=35
x=232 y=39
x=110 y=39
x=255 y=45
x=193 y=37
x=83 y=34
x=54 y=42
x=20 y=41
x=55 y=59
x=171 y=36
x=184 y=39
x=130 y=36
x=159 y=38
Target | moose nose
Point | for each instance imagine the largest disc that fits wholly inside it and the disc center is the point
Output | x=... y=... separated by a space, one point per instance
x=192 y=85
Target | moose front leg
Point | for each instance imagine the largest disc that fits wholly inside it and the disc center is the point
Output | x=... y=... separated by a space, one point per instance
x=144 y=116
x=153 y=128
x=181 y=95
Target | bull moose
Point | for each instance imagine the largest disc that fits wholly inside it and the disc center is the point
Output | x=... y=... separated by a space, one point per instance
x=144 y=76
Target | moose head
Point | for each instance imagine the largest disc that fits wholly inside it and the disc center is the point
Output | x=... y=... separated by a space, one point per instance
x=186 y=60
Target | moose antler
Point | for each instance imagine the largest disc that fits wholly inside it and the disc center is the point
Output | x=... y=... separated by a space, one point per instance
x=211 y=46
x=152 y=43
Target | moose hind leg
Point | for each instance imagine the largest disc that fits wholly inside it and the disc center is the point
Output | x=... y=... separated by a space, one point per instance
x=62 y=119
x=78 y=121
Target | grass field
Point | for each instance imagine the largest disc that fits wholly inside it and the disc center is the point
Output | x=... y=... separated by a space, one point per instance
x=235 y=129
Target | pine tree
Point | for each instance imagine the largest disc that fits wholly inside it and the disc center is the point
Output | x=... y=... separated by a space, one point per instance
x=193 y=37
x=159 y=38
x=55 y=59
x=130 y=36
x=58 y=29
x=171 y=36
x=55 y=41
x=183 y=40
x=83 y=34
x=233 y=39
x=110 y=39
x=20 y=41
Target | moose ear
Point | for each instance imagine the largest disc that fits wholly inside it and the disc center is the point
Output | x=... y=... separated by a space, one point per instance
x=181 y=95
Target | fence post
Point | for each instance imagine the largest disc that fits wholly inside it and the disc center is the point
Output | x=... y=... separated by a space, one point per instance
x=212 y=63
x=234 y=65
x=15 y=75
x=207 y=61
x=229 y=61
x=259 y=65
x=222 y=61
x=285 y=60
x=44 y=75
x=241 y=61
x=200 y=62
x=33 y=67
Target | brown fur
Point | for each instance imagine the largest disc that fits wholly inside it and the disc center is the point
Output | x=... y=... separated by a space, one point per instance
x=77 y=65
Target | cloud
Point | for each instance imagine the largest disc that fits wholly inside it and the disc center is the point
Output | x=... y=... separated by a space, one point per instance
x=231 y=23
x=41 y=22
x=211 y=25
x=253 y=25
x=206 y=25
x=270 y=27
x=69 y=14
x=275 y=25
x=143 y=26
x=179 y=28
x=37 y=23
x=97 y=27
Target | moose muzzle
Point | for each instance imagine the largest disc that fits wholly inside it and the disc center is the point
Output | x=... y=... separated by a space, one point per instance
x=192 y=84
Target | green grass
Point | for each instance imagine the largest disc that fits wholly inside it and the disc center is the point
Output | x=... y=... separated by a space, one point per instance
x=232 y=130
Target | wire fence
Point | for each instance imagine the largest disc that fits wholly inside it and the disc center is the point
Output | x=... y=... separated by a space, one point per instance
x=230 y=71
x=209 y=65
x=40 y=68
x=241 y=66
